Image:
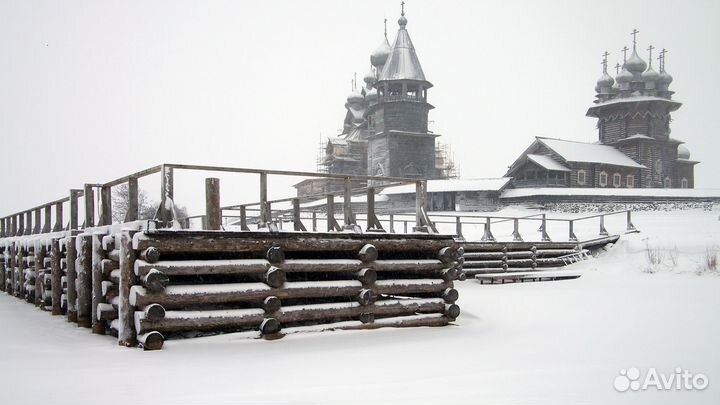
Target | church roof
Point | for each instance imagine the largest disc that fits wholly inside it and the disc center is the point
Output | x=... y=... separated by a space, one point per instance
x=403 y=63
x=572 y=151
x=548 y=163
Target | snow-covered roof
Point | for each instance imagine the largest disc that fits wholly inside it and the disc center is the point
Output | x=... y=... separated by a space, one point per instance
x=547 y=162
x=610 y=191
x=636 y=136
x=573 y=151
x=452 y=185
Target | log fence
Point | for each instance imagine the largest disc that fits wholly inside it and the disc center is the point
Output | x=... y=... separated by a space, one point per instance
x=147 y=281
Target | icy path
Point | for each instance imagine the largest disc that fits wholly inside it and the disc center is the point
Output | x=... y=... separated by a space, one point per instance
x=554 y=342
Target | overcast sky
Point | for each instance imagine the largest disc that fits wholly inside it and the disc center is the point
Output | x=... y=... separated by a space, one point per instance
x=93 y=90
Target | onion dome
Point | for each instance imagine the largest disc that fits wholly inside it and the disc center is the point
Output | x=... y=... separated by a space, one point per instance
x=650 y=75
x=355 y=97
x=605 y=80
x=683 y=153
x=635 y=64
x=369 y=78
x=381 y=54
x=665 y=78
x=624 y=76
x=402 y=21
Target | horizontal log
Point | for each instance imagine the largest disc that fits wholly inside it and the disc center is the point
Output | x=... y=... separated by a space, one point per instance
x=194 y=241
x=106 y=312
x=254 y=266
x=238 y=318
x=108 y=287
x=183 y=295
x=396 y=322
x=108 y=265
x=108 y=242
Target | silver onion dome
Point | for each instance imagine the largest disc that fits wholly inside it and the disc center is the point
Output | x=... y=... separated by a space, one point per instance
x=355 y=97
x=624 y=76
x=683 y=152
x=650 y=75
x=665 y=78
x=605 y=80
x=635 y=64
x=381 y=54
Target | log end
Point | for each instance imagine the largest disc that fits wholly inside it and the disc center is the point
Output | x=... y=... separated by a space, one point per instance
x=450 y=295
x=271 y=304
x=154 y=312
x=452 y=311
x=275 y=255
x=448 y=254
x=367 y=276
x=270 y=326
x=151 y=254
x=366 y=297
x=367 y=317
x=151 y=341
x=156 y=280
x=275 y=277
x=368 y=253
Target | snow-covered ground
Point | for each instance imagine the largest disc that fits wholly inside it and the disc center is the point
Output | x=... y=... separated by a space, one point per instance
x=552 y=342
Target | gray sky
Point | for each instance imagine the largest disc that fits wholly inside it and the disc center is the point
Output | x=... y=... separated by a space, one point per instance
x=93 y=90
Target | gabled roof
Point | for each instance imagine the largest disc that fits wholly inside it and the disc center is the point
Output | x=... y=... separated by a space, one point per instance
x=403 y=63
x=572 y=151
x=548 y=163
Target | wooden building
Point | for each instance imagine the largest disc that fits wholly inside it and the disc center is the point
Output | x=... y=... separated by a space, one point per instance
x=385 y=131
x=634 y=147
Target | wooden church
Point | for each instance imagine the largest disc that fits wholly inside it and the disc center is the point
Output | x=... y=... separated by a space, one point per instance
x=634 y=147
x=385 y=131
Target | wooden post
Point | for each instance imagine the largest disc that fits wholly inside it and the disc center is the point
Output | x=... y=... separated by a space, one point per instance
x=106 y=202
x=243 y=219
x=84 y=277
x=89 y=194
x=2 y=227
x=39 y=253
x=332 y=224
x=127 y=335
x=98 y=254
x=487 y=234
x=297 y=221
x=20 y=225
x=603 y=231
x=516 y=231
x=392 y=223
x=55 y=276
x=420 y=196
x=213 y=213
x=373 y=223
x=165 y=214
x=132 y=213
x=348 y=221
x=458 y=227
x=20 y=276
x=28 y=223
x=571 y=232
x=314 y=221
x=630 y=226
x=543 y=229
x=38 y=221
x=74 y=195
x=265 y=215
x=70 y=260
x=58 y=217
x=47 y=222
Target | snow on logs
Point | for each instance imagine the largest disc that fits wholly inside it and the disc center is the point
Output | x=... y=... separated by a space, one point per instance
x=148 y=286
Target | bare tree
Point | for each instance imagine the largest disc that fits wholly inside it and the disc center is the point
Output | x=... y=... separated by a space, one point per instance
x=121 y=200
